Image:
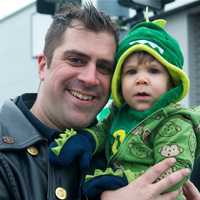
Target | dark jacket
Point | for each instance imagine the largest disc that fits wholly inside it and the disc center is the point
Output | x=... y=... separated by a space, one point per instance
x=195 y=176
x=25 y=173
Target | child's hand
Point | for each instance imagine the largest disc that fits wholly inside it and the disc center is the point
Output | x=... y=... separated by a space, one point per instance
x=78 y=148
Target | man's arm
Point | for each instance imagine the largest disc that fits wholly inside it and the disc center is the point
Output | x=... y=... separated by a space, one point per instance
x=4 y=194
x=145 y=188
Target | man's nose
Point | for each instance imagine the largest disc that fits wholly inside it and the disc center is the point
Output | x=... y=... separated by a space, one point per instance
x=89 y=75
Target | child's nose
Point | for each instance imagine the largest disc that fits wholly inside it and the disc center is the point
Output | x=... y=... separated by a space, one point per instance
x=142 y=80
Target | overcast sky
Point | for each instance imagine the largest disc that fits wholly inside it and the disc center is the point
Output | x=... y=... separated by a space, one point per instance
x=9 y=6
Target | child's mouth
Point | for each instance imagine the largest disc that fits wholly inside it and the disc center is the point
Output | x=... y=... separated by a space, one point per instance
x=142 y=95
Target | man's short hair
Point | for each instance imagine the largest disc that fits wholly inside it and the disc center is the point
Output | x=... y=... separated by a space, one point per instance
x=88 y=15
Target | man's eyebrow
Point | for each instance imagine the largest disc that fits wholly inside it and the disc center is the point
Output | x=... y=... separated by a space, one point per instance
x=74 y=52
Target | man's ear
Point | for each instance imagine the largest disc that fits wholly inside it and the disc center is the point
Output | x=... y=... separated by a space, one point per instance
x=42 y=65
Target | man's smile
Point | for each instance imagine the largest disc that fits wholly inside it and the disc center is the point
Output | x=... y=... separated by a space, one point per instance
x=81 y=96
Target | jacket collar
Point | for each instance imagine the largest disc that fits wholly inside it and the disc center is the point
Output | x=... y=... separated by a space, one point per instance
x=16 y=131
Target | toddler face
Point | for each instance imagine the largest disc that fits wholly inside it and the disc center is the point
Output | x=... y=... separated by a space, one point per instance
x=144 y=80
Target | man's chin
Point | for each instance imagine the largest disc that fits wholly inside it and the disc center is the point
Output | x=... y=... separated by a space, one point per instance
x=83 y=123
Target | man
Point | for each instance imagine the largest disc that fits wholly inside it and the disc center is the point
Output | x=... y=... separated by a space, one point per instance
x=75 y=73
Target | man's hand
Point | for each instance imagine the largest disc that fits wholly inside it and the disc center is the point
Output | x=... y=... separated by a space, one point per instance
x=190 y=191
x=145 y=188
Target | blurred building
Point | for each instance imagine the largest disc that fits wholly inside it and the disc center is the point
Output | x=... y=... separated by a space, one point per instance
x=18 y=68
x=22 y=38
x=184 y=25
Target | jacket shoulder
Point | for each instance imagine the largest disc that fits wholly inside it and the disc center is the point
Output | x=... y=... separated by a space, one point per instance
x=16 y=131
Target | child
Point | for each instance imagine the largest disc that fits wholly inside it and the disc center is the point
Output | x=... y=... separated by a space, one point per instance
x=145 y=124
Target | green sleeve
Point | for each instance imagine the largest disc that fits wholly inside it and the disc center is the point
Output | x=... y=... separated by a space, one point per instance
x=100 y=132
x=175 y=138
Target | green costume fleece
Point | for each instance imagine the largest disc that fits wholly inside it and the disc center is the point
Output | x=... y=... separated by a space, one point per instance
x=135 y=141
x=172 y=131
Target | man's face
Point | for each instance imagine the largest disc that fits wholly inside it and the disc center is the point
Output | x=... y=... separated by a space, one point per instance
x=77 y=83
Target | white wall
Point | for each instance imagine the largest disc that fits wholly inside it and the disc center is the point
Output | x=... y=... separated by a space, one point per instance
x=20 y=41
x=177 y=26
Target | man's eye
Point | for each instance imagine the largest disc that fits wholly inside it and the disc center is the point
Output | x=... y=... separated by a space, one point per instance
x=105 y=70
x=75 y=61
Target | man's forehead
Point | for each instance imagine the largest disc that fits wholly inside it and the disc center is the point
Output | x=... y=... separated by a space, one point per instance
x=79 y=40
x=79 y=35
x=80 y=27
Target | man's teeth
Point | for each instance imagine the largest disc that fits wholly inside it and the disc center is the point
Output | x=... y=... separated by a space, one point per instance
x=81 y=96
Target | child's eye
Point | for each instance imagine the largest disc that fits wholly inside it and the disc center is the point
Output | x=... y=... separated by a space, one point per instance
x=154 y=70
x=131 y=71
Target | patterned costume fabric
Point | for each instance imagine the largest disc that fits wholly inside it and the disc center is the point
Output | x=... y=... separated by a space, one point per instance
x=172 y=131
